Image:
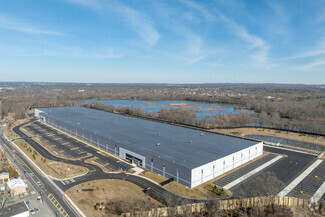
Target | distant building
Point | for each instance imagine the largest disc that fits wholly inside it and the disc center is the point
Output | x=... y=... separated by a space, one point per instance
x=15 y=210
x=16 y=186
x=4 y=178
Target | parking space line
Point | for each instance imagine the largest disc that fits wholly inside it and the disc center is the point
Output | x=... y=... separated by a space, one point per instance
x=297 y=180
x=246 y=176
x=318 y=194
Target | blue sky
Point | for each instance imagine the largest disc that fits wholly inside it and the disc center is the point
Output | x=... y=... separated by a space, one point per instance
x=170 y=41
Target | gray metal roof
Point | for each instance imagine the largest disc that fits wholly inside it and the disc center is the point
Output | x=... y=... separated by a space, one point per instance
x=185 y=146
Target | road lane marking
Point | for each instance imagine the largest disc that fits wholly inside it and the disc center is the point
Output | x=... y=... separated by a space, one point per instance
x=296 y=181
x=249 y=174
x=318 y=194
x=57 y=205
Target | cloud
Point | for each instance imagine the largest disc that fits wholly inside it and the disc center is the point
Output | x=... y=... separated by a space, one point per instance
x=205 y=13
x=20 y=26
x=140 y=24
x=312 y=65
x=94 y=4
x=58 y=50
x=317 y=50
x=257 y=43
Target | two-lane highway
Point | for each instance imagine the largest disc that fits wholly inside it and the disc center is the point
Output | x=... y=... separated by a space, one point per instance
x=39 y=182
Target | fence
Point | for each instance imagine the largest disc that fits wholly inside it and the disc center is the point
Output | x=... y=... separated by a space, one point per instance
x=231 y=204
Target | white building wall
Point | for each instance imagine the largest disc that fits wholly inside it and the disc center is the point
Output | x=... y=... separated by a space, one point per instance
x=216 y=168
x=123 y=152
x=23 y=214
x=37 y=112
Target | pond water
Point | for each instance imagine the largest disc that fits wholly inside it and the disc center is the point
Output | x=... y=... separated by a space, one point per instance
x=288 y=142
x=201 y=108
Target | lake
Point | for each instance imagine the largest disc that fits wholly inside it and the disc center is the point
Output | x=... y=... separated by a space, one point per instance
x=202 y=108
x=288 y=142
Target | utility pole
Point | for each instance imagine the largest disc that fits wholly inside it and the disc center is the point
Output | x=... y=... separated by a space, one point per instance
x=0 y=110
x=3 y=199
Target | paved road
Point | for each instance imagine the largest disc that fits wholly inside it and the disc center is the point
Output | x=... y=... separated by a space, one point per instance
x=95 y=172
x=40 y=183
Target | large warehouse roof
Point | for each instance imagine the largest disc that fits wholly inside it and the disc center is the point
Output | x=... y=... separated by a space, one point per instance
x=185 y=146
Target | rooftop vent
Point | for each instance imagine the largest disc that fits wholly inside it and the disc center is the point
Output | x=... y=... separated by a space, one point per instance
x=158 y=133
x=190 y=141
x=158 y=144
x=202 y=134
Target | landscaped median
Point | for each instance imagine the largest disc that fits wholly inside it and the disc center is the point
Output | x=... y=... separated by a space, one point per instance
x=55 y=169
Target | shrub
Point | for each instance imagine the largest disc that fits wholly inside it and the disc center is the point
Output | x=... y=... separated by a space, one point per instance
x=12 y=173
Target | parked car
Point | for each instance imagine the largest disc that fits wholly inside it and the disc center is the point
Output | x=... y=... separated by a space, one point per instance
x=32 y=212
x=36 y=209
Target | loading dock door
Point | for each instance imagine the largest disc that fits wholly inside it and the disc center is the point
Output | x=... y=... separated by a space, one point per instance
x=133 y=157
x=133 y=160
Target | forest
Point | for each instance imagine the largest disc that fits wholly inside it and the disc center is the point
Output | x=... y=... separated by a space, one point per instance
x=289 y=107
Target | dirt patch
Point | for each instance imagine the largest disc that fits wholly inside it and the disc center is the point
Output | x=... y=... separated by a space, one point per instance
x=215 y=108
x=183 y=105
x=153 y=176
x=319 y=140
x=66 y=170
x=219 y=107
x=177 y=104
x=205 y=191
x=117 y=196
x=148 y=103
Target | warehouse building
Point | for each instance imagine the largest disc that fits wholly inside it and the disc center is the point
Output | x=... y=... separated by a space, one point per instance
x=190 y=156
x=17 y=186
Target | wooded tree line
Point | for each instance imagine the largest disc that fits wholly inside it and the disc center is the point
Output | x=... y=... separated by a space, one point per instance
x=279 y=106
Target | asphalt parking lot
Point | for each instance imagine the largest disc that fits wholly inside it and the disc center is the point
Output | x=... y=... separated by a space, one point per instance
x=111 y=163
x=286 y=170
x=71 y=147
x=59 y=143
x=223 y=181
x=310 y=184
